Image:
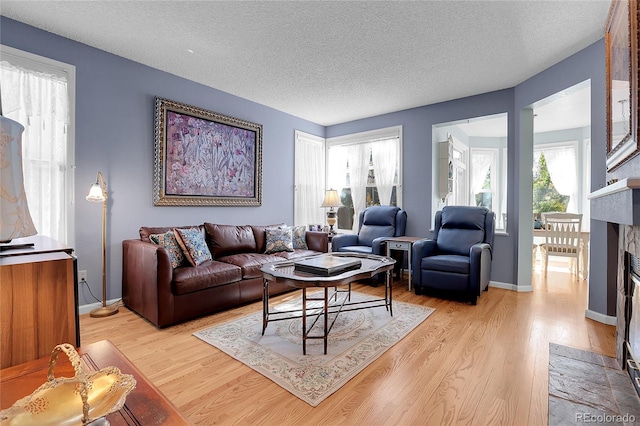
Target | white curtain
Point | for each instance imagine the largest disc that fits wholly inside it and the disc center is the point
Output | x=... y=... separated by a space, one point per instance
x=561 y=163
x=385 y=155
x=309 y=185
x=358 y=155
x=39 y=101
x=480 y=163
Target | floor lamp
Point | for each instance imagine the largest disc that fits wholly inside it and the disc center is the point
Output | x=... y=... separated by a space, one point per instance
x=98 y=194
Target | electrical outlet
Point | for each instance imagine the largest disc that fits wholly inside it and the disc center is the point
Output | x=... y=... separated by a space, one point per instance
x=82 y=276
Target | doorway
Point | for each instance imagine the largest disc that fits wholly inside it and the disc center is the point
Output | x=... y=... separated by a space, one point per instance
x=561 y=167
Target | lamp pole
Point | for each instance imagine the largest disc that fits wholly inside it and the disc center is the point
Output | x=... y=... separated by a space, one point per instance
x=105 y=310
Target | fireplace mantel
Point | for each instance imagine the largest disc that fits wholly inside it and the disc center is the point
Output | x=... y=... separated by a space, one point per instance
x=618 y=202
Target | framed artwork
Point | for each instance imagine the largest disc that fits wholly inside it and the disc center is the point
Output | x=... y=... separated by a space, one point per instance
x=621 y=40
x=203 y=158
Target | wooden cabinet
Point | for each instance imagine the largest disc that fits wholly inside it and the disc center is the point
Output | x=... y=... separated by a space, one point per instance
x=38 y=302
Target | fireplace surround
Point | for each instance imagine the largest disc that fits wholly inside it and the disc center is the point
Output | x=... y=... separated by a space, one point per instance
x=619 y=203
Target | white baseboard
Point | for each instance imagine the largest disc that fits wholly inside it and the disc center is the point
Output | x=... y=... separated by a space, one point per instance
x=85 y=309
x=512 y=287
x=597 y=316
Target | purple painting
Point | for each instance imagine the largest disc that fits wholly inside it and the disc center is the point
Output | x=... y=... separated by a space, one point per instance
x=208 y=159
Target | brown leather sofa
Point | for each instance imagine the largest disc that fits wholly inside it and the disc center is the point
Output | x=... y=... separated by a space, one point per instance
x=166 y=296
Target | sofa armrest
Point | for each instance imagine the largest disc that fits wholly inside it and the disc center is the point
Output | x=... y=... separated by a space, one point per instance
x=146 y=279
x=421 y=248
x=378 y=246
x=343 y=240
x=479 y=267
x=317 y=241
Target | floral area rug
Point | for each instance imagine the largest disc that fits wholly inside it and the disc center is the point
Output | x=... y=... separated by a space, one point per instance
x=356 y=340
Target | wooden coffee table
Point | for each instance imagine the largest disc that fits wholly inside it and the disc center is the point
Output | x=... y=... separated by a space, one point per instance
x=145 y=405
x=334 y=302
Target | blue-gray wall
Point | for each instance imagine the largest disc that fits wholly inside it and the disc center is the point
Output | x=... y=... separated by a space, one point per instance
x=114 y=134
x=587 y=64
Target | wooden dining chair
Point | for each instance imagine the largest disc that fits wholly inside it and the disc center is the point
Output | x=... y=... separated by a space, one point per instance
x=562 y=237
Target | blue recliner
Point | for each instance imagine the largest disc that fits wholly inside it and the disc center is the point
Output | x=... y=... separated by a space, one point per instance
x=458 y=257
x=377 y=223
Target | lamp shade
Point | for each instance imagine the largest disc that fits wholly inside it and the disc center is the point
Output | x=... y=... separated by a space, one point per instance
x=98 y=190
x=331 y=199
x=95 y=194
x=15 y=219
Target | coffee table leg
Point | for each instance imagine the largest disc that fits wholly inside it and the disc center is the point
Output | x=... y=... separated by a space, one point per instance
x=265 y=305
x=390 y=287
x=326 y=318
x=304 y=321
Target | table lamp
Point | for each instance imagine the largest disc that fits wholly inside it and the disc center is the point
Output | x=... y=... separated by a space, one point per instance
x=331 y=200
x=15 y=219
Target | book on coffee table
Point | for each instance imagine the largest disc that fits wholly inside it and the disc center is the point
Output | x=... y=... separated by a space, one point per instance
x=327 y=266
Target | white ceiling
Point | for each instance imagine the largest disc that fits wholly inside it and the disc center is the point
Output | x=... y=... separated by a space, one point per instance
x=332 y=61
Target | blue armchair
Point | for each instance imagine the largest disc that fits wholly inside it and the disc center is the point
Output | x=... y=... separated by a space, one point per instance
x=458 y=258
x=377 y=223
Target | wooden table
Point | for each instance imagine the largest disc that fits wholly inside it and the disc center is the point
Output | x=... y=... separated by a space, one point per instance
x=403 y=244
x=144 y=406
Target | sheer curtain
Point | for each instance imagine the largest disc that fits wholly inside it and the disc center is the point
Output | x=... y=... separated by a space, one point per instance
x=39 y=101
x=358 y=155
x=309 y=177
x=561 y=163
x=480 y=163
x=385 y=158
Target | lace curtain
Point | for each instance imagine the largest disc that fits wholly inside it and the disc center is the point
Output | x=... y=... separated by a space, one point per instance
x=385 y=158
x=561 y=163
x=481 y=161
x=39 y=101
x=309 y=186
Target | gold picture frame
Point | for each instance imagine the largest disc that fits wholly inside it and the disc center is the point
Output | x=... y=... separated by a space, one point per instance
x=621 y=61
x=203 y=158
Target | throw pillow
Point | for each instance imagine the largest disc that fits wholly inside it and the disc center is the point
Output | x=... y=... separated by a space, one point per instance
x=193 y=245
x=168 y=241
x=299 y=237
x=278 y=239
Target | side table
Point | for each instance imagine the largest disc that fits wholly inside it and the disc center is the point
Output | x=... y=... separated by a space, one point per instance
x=403 y=244
x=146 y=405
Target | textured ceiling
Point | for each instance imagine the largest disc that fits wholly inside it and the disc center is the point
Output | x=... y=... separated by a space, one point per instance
x=332 y=61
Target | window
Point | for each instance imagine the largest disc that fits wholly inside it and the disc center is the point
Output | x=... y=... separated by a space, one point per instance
x=309 y=179
x=484 y=179
x=38 y=93
x=365 y=168
x=475 y=151
x=555 y=178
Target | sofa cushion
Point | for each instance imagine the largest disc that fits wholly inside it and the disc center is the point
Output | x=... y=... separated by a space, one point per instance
x=279 y=239
x=447 y=263
x=260 y=236
x=210 y=273
x=169 y=242
x=146 y=231
x=251 y=263
x=225 y=240
x=298 y=237
x=193 y=245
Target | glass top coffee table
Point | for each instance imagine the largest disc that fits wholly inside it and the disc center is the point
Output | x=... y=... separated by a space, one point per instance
x=328 y=276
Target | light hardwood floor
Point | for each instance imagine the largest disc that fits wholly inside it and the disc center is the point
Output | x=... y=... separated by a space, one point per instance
x=472 y=365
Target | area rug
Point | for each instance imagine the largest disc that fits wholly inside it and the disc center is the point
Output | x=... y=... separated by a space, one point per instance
x=356 y=340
